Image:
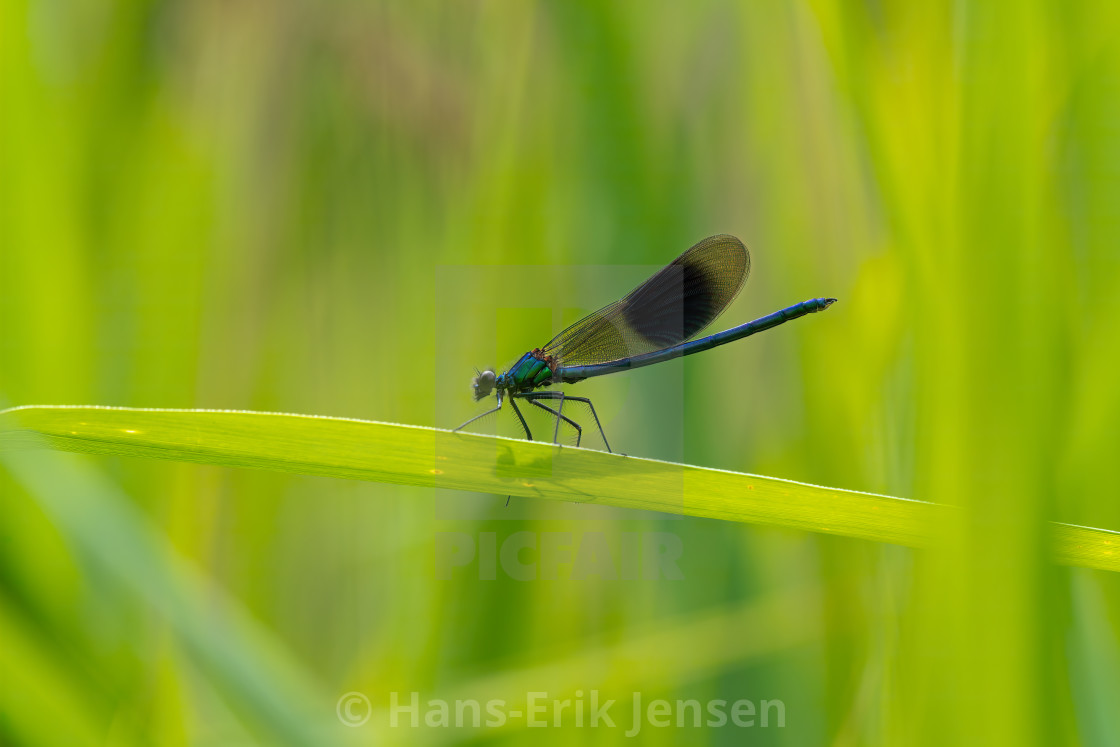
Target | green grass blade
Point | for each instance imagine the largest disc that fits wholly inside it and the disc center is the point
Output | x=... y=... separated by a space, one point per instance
x=242 y=659
x=40 y=687
x=413 y=455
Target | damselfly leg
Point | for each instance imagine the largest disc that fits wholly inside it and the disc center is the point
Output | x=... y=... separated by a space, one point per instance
x=559 y=417
x=564 y=398
x=488 y=412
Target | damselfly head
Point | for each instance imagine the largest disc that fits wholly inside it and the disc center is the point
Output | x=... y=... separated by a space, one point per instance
x=483 y=384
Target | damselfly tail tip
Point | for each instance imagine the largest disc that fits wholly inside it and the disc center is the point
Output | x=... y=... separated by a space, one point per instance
x=828 y=302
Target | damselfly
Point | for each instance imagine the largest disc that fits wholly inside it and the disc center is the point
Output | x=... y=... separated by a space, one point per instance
x=655 y=322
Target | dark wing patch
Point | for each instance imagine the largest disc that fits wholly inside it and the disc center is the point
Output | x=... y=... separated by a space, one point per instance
x=672 y=306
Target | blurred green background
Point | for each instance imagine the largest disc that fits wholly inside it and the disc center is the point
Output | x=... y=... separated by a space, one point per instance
x=343 y=208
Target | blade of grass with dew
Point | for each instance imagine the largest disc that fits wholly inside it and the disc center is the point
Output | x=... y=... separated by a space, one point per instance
x=429 y=457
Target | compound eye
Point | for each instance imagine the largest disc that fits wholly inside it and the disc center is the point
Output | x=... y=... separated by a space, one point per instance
x=483 y=384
